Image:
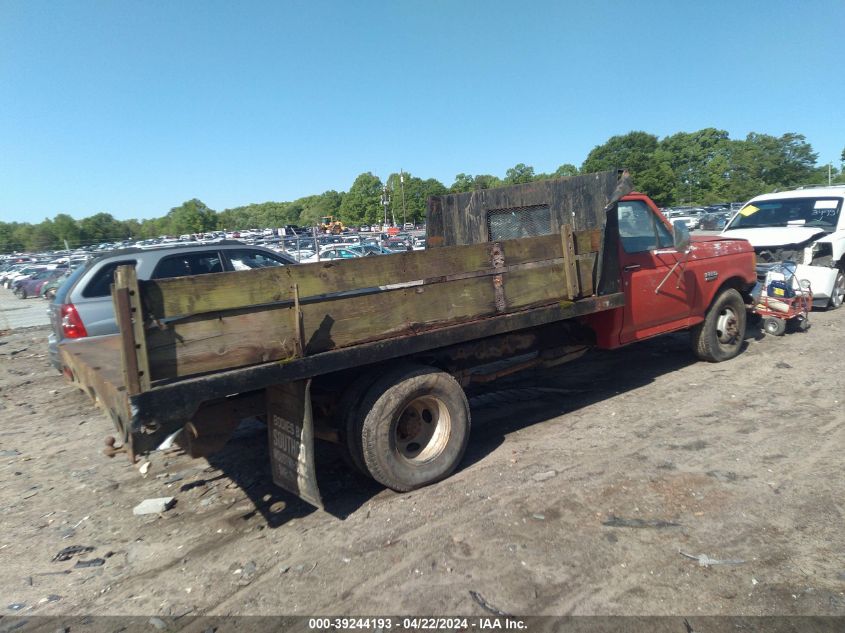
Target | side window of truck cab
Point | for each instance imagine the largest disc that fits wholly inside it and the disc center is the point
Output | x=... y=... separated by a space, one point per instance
x=640 y=230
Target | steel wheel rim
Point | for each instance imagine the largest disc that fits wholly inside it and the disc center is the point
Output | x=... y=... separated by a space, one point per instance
x=727 y=327
x=422 y=429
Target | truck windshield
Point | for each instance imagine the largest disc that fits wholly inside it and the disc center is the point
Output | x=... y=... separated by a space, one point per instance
x=817 y=212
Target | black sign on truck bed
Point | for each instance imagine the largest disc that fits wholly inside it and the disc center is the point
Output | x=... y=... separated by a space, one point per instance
x=291 y=435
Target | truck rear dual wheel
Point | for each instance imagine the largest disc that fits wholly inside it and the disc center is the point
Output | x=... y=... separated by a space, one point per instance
x=413 y=424
x=720 y=336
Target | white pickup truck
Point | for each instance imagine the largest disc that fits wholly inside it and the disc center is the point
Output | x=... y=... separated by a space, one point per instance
x=804 y=226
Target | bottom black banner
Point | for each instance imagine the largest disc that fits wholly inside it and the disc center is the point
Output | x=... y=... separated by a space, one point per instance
x=383 y=624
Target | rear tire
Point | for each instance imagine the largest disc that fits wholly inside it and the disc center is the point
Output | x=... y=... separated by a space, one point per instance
x=350 y=422
x=414 y=427
x=720 y=336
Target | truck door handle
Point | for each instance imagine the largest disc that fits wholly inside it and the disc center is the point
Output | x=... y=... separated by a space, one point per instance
x=631 y=267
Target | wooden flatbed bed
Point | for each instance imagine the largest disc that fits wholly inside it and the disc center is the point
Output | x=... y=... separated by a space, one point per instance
x=202 y=352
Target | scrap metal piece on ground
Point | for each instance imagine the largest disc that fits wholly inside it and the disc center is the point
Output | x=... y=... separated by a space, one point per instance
x=479 y=599
x=705 y=561
x=94 y=562
x=69 y=552
x=615 y=521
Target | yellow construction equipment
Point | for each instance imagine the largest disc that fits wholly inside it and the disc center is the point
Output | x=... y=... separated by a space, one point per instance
x=329 y=225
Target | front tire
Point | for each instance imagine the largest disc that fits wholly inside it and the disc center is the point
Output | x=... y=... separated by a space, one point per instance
x=414 y=425
x=720 y=336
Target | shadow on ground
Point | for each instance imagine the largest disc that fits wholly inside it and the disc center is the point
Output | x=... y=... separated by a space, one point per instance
x=498 y=409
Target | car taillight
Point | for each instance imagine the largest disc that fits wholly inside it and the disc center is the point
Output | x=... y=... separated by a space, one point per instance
x=72 y=326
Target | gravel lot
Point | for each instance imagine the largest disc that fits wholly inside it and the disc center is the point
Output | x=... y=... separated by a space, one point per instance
x=17 y=313
x=590 y=489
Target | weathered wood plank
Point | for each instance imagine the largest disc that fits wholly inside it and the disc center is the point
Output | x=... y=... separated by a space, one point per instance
x=578 y=201
x=587 y=241
x=167 y=298
x=225 y=340
x=92 y=364
x=570 y=270
x=126 y=297
x=128 y=353
x=585 y=265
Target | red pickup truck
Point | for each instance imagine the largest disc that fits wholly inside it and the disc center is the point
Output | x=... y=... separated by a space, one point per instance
x=374 y=353
x=699 y=283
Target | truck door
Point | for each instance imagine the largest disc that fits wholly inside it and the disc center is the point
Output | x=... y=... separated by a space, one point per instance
x=646 y=255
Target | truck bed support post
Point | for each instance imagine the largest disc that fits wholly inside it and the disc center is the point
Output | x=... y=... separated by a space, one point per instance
x=130 y=318
x=291 y=434
x=570 y=269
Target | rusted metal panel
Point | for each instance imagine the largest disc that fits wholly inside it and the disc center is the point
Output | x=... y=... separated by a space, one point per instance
x=214 y=422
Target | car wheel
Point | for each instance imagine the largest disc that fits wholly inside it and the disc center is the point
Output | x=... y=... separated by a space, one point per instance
x=774 y=326
x=720 y=336
x=837 y=295
x=415 y=424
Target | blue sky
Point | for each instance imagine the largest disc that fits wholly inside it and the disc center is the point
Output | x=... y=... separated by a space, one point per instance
x=134 y=107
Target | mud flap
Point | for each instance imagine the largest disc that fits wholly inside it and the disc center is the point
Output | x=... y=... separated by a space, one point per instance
x=291 y=429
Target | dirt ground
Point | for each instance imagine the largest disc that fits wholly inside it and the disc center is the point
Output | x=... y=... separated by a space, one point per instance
x=585 y=490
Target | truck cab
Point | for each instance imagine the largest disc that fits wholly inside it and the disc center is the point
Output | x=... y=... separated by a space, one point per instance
x=671 y=281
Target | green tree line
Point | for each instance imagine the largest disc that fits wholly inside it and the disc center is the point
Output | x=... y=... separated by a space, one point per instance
x=695 y=168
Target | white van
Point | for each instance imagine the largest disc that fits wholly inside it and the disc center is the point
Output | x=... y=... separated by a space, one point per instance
x=804 y=226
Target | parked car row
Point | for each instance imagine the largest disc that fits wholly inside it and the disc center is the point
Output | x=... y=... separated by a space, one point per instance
x=710 y=218
x=33 y=277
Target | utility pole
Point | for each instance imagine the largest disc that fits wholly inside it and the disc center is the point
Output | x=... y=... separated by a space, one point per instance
x=402 y=186
x=385 y=201
x=829 y=167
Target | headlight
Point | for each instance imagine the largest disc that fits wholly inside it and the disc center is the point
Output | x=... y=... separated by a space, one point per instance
x=821 y=254
x=821 y=249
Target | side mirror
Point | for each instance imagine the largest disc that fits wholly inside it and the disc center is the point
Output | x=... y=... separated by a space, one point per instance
x=680 y=234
